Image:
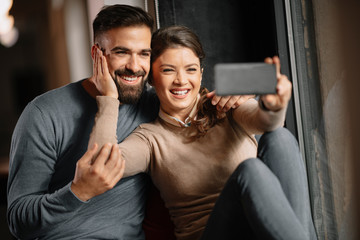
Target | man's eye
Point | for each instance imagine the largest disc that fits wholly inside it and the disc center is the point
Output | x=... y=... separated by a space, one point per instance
x=145 y=54
x=120 y=52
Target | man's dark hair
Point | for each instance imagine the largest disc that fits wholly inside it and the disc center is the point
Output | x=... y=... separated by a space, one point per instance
x=115 y=16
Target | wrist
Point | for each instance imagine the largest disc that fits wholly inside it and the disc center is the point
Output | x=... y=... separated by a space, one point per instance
x=272 y=108
x=76 y=190
x=113 y=95
x=262 y=105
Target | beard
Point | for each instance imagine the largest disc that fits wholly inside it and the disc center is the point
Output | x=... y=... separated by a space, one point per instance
x=129 y=94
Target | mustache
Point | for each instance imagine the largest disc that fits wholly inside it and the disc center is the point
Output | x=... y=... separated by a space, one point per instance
x=129 y=72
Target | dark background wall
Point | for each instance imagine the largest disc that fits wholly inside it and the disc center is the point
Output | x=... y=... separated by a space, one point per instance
x=230 y=31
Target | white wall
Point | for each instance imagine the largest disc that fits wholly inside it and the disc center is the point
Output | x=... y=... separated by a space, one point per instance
x=77 y=40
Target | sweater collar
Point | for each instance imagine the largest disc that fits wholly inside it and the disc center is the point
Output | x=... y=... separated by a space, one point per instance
x=177 y=122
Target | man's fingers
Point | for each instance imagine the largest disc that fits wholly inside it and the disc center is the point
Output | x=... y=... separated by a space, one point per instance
x=122 y=167
x=117 y=172
x=115 y=165
x=114 y=156
x=89 y=154
x=103 y=156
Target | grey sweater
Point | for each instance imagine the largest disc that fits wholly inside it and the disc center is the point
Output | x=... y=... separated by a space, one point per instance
x=50 y=137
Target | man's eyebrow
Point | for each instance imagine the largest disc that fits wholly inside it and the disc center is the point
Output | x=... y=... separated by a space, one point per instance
x=121 y=48
x=117 y=48
x=146 y=50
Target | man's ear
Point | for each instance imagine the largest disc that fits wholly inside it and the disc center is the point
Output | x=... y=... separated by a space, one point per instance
x=93 y=50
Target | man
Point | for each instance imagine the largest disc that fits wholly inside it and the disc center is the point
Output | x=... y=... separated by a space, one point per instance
x=45 y=200
x=55 y=191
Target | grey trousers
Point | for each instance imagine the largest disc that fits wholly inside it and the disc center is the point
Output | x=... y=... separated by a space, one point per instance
x=266 y=197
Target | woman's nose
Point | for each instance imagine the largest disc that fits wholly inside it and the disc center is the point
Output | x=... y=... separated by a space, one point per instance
x=180 y=78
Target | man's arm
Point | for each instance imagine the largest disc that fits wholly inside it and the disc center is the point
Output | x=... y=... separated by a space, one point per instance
x=32 y=210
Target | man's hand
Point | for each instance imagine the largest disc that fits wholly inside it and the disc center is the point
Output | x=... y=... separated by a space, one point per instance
x=101 y=77
x=225 y=103
x=278 y=101
x=96 y=176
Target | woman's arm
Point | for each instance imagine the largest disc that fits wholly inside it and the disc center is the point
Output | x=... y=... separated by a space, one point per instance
x=269 y=113
x=134 y=149
x=104 y=130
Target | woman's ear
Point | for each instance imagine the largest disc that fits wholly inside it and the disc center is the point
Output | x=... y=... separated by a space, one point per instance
x=201 y=74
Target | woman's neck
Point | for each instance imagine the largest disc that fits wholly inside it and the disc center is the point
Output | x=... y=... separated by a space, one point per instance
x=180 y=115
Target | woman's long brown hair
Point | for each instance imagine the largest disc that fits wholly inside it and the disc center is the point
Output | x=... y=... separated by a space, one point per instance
x=208 y=116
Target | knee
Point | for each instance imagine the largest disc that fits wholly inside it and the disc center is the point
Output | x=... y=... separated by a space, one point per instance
x=280 y=138
x=250 y=173
x=249 y=170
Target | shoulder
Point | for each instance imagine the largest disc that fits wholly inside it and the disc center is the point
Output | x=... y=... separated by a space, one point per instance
x=150 y=128
x=61 y=104
x=64 y=95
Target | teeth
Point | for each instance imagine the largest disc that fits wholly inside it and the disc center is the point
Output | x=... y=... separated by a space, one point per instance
x=127 y=78
x=180 y=92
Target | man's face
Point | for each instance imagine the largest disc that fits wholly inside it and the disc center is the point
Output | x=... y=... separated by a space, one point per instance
x=127 y=51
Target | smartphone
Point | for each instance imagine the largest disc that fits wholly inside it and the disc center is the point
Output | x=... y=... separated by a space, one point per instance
x=245 y=78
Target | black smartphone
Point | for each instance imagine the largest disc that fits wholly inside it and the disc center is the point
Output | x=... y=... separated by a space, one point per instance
x=245 y=78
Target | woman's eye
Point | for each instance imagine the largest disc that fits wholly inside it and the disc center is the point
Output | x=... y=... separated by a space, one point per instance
x=192 y=69
x=167 y=70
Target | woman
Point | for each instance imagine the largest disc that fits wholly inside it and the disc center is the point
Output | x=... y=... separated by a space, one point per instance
x=214 y=178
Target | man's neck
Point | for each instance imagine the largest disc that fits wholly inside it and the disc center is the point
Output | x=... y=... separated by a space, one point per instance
x=90 y=88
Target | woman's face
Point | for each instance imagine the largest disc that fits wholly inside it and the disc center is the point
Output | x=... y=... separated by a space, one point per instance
x=177 y=78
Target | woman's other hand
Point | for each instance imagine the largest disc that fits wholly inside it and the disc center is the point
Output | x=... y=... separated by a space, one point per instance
x=225 y=103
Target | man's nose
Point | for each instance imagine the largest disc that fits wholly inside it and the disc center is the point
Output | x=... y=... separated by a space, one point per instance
x=133 y=63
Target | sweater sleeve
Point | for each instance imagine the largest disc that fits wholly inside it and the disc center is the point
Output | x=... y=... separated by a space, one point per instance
x=256 y=120
x=32 y=210
x=104 y=130
x=135 y=149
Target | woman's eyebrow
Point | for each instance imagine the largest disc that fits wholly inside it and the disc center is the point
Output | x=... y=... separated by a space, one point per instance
x=192 y=64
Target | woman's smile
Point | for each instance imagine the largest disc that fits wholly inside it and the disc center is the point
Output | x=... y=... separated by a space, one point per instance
x=177 y=78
